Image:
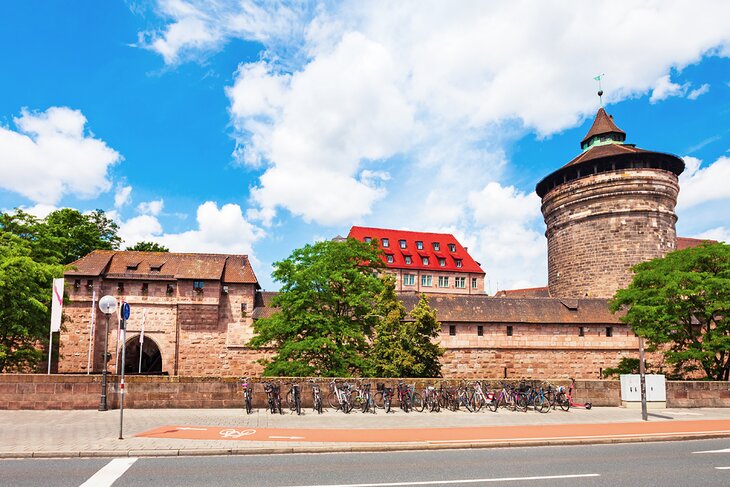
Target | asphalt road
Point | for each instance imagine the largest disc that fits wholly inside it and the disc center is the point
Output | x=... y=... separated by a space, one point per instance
x=637 y=464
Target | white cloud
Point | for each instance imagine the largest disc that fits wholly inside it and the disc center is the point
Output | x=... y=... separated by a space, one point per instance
x=40 y=210
x=721 y=234
x=665 y=88
x=122 y=196
x=694 y=94
x=220 y=230
x=50 y=156
x=151 y=207
x=702 y=184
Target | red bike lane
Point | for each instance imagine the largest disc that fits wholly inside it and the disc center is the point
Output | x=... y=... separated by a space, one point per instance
x=455 y=435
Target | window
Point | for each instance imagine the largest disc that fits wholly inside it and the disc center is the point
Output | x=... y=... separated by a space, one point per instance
x=473 y=282
x=452 y=330
x=581 y=331
x=145 y=288
x=402 y=243
x=120 y=287
x=460 y=282
x=409 y=261
x=386 y=242
x=368 y=239
x=198 y=286
x=452 y=247
x=244 y=309
x=409 y=280
x=443 y=281
x=509 y=330
x=426 y=281
x=170 y=289
x=77 y=283
x=458 y=262
x=424 y=260
x=132 y=267
x=419 y=245
x=90 y=283
x=442 y=262
x=480 y=330
x=155 y=268
x=436 y=246
x=390 y=259
x=609 y=331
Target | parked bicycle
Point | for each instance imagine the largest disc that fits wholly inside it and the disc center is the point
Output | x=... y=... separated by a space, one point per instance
x=247 y=388
x=316 y=398
x=272 y=390
x=294 y=398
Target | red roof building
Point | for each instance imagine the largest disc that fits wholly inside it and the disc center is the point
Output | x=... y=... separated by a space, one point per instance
x=425 y=262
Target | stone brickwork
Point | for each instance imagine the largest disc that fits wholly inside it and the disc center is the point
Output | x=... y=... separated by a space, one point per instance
x=600 y=225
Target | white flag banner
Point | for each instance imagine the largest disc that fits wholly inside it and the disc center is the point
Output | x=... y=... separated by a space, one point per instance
x=57 y=304
x=141 y=330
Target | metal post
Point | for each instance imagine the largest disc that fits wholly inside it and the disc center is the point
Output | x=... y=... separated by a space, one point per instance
x=121 y=384
x=642 y=377
x=50 y=350
x=102 y=404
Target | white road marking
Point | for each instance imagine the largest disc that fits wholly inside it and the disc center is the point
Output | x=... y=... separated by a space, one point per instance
x=192 y=429
x=684 y=413
x=109 y=473
x=726 y=450
x=723 y=468
x=287 y=437
x=453 y=482
x=676 y=433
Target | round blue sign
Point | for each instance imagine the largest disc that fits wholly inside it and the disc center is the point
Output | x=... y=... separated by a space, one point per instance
x=125 y=311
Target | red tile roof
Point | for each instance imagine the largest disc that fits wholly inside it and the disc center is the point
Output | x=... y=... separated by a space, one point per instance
x=451 y=259
x=603 y=124
x=686 y=242
x=169 y=265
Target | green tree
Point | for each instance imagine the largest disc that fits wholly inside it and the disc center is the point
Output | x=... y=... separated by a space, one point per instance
x=64 y=235
x=425 y=328
x=325 y=310
x=680 y=304
x=148 y=247
x=25 y=295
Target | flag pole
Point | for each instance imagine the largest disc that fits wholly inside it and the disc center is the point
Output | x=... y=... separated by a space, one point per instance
x=50 y=350
x=141 y=340
x=91 y=331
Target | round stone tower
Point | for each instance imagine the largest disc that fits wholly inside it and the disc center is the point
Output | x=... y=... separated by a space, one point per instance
x=606 y=210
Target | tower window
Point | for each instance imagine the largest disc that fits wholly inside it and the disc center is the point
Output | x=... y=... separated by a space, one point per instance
x=480 y=330
x=509 y=330
x=609 y=331
x=120 y=287
x=145 y=288
x=452 y=330
x=473 y=282
x=170 y=289
x=581 y=331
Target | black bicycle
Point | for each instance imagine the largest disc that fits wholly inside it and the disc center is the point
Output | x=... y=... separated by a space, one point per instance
x=247 y=387
x=272 y=391
x=294 y=399
x=316 y=398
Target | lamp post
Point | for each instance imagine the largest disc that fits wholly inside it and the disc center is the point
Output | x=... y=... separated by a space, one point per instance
x=107 y=305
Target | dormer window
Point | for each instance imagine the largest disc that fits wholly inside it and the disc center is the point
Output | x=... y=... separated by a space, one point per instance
x=409 y=261
x=390 y=259
x=458 y=262
x=368 y=239
x=155 y=268
x=442 y=262
x=452 y=247
x=424 y=260
x=436 y=246
x=132 y=267
x=419 y=245
x=386 y=242
x=402 y=243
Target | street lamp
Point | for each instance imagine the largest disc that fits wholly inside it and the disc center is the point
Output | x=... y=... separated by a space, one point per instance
x=107 y=305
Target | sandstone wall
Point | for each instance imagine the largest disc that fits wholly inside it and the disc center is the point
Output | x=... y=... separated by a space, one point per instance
x=601 y=225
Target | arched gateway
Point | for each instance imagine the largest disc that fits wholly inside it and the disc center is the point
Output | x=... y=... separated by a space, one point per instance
x=151 y=362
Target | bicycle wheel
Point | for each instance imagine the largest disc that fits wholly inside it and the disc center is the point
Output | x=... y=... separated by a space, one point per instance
x=563 y=402
x=541 y=404
x=317 y=403
x=464 y=400
x=386 y=403
x=333 y=401
x=378 y=399
x=356 y=401
x=417 y=402
x=477 y=402
x=298 y=405
x=492 y=405
x=290 y=401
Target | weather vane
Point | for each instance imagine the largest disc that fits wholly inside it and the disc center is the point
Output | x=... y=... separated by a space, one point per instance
x=600 y=90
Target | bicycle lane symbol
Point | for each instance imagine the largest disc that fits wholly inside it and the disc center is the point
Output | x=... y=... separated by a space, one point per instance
x=235 y=434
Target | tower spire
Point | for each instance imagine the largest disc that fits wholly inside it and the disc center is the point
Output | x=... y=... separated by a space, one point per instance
x=600 y=90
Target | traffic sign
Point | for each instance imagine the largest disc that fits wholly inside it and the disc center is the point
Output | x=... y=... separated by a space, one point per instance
x=125 y=310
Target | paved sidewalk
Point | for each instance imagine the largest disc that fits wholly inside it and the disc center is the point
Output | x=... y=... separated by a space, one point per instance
x=94 y=433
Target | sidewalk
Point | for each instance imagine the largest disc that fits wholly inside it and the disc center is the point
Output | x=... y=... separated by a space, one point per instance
x=230 y=431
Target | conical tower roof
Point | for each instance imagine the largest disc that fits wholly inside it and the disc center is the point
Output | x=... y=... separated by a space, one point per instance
x=603 y=126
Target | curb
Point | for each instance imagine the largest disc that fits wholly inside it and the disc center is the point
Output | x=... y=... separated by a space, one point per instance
x=354 y=448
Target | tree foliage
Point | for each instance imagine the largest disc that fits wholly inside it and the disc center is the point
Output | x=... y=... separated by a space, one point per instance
x=404 y=347
x=25 y=295
x=680 y=303
x=32 y=253
x=325 y=310
x=148 y=247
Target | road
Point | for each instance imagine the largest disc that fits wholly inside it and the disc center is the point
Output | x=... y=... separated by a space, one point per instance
x=678 y=463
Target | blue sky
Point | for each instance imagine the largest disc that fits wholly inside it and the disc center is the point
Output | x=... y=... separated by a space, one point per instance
x=257 y=127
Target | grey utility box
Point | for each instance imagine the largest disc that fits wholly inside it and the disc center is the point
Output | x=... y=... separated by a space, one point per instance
x=656 y=391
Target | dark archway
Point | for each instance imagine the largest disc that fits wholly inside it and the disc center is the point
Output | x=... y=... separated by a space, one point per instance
x=151 y=357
